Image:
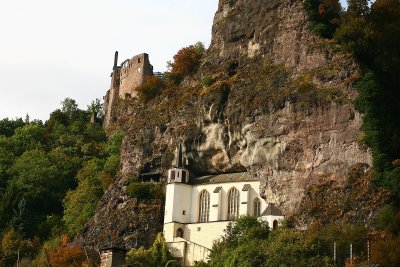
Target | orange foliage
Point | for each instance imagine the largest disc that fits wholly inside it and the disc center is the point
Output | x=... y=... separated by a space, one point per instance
x=150 y=88
x=186 y=61
x=67 y=256
x=386 y=250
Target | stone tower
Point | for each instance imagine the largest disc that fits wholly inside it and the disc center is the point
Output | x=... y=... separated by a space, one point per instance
x=124 y=80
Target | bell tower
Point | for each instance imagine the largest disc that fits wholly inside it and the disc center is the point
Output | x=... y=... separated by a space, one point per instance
x=178 y=174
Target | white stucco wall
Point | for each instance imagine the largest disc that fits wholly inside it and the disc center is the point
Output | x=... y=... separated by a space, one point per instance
x=198 y=238
x=178 y=203
x=220 y=212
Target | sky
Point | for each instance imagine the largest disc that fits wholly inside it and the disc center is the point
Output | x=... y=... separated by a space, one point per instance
x=53 y=49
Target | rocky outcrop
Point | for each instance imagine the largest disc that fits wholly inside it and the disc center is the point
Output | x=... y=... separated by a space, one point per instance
x=280 y=107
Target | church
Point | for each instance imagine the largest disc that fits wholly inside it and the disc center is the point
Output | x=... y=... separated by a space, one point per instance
x=198 y=210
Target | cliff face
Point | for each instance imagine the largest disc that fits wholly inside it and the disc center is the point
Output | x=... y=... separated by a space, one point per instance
x=280 y=107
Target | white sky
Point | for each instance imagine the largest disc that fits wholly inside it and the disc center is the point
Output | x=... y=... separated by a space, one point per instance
x=53 y=49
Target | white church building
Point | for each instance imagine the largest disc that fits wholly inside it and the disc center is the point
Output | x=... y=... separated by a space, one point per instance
x=198 y=210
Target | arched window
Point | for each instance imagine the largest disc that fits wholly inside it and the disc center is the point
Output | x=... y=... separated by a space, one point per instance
x=204 y=206
x=257 y=207
x=233 y=204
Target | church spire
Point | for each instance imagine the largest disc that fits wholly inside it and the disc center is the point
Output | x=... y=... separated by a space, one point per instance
x=180 y=156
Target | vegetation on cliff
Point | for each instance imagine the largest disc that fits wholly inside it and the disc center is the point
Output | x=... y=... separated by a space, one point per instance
x=372 y=34
x=52 y=176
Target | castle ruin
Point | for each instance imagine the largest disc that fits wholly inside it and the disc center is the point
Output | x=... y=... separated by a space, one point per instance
x=124 y=80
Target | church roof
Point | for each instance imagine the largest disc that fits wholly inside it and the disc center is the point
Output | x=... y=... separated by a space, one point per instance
x=224 y=178
x=273 y=210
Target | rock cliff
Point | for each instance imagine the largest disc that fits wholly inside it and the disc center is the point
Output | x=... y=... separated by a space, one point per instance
x=280 y=107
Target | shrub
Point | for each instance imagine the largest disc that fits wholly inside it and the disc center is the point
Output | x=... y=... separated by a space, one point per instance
x=156 y=256
x=145 y=191
x=207 y=81
x=324 y=15
x=186 y=62
x=150 y=88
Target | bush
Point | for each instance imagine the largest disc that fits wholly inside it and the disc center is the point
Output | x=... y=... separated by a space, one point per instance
x=207 y=81
x=324 y=15
x=186 y=62
x=150 y=88
x=145 y=191
x=156 y=256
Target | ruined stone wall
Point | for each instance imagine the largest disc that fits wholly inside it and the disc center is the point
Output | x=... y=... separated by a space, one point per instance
x=133 y=73
x=111 y=95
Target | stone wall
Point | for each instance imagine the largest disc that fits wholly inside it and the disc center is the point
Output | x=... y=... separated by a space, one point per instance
x=133 y=73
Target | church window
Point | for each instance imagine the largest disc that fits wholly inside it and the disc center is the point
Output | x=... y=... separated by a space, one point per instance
x=233 y=204
x=257 y=207
x=204 y=206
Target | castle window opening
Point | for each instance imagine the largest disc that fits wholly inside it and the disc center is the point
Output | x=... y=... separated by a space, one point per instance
x=184 y=212
x=257 y=207
x=139 y=60
x=204 y=206
x=233 y=204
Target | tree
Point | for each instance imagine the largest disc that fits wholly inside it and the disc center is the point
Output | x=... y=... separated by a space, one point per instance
x=80 y=204
x=96 y=107
x=242 y=244
x=156 y=256
x=8 y=127
x=29 y=137
x=186 y=62
x=69 y=107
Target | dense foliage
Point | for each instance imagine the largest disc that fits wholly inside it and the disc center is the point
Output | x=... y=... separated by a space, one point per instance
x=150 y=88
x=52 y=176
x=156 y=256
x=248 y=242
x=372 y=33
x=185 y=62
x=145 y=191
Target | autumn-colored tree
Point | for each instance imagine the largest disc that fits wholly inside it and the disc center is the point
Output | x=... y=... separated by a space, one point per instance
x=386 y=250
x=67 y=256
x=150 y=88
x=186 y=62
x=13 y=245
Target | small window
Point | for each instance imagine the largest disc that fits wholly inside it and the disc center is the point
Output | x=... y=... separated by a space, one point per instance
x=139 y=60
x=172 y=175
x=184 y=176
x=184 y=212
x=179 y=232
x=275 y=224
x=256 y=207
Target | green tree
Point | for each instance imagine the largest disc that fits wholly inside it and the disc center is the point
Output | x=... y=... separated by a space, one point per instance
x=29 y=137
x=69 y=107
x=96 y=107
x=156 y=256
x=80 y=204
x=8 y=127
x=242 y=245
